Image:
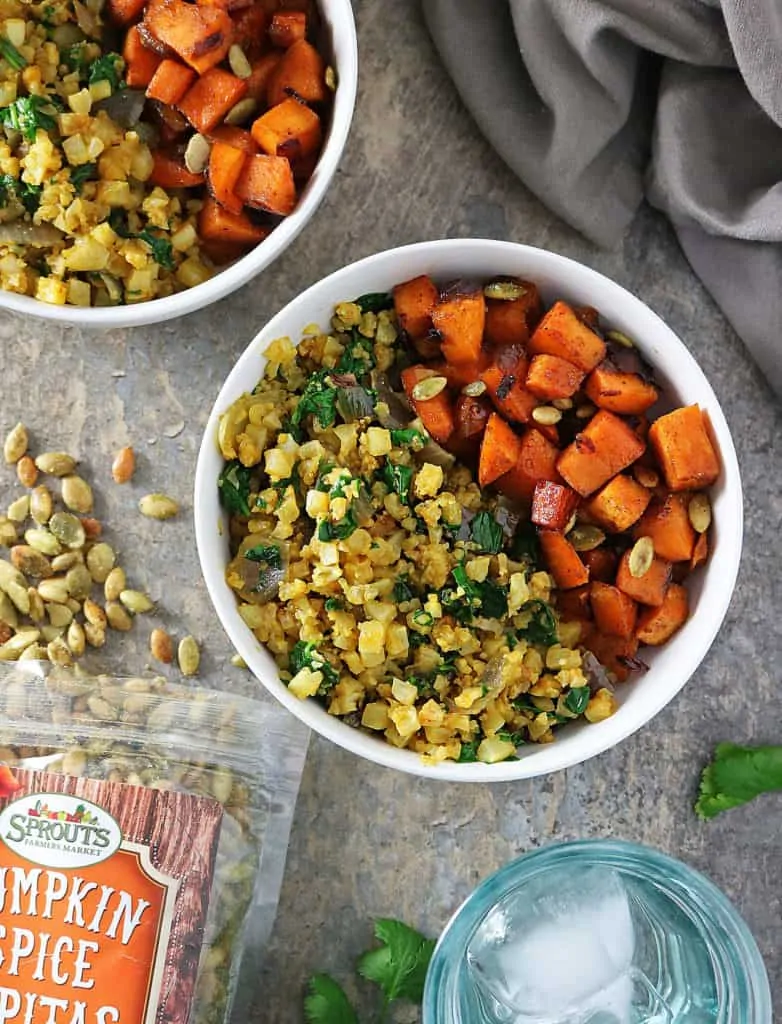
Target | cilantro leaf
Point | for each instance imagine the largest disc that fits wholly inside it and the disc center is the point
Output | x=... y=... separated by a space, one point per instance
x=542 y=627
x=326 y=1003
x=494 y=599
x=486 y=532
x=14 y=188
x=268 y=553
x=333 y=604
x=408 y=435
x=358 y=356
x=26 y=116
x=736 y=776
x=74 y=58
x=374 y=302
x=108 y=68
x=81 y=174
x=403 y=591
x=11 y=55
x=233 y=485
x=162 y=250
x=398 y=478
x=399 y=966
x=318 y=399
x=306 y=655
x=337 y=531
x=577 y=699
x=469 y=752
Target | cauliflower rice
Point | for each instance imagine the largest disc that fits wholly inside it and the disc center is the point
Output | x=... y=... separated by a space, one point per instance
x=385 y=584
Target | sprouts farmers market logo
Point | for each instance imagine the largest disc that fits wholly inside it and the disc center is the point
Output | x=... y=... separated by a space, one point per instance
x=59 y=831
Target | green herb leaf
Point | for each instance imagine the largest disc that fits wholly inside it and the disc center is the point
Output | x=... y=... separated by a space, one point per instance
x=162 y=250
x=333 y=604
x=306 y=655
x=422 y=618
x=11 y=55
x=525 y=547
x=81 y=174
x=486 y=532
x=337 y=531
x=109 y=69
x=358 y=356
x=326 y=1002
x=74 y=58
x=233 y=486
x=318 y=400
x=268 y=553
x=736 y=776
x=398 y=479
x=494 y=599
x=409 y=435
x=26 y=116
x=374 y=302
x=403 y=591
x=542 y=628
x=469 y=751
x=577 y=699
x=14 y=188
x=399 y=966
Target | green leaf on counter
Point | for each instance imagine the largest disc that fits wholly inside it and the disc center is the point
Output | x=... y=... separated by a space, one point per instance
x=736 y=776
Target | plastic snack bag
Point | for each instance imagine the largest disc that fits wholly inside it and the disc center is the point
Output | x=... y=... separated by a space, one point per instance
x=143 y=833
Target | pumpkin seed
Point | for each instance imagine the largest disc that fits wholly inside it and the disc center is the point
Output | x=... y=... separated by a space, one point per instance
x=429 y=388
x=583 y=412
x=41 y=504
x=161 y=646
x=68 y=529
x=563 y=404
x=37 y=608
x=158 y=506
x=95 y=634
x=76 y=639
x=74 y=762
x=100 y=561
x=115 y=583
x=43 y=541
x=79 y=582
x=238 y=661
x=15 y=444
x=18 y=594
x=197 y=154
x=546 y=415
x=243 y=110
x=50 y=632
x=19 y=510
x=585 y=537
x=330 y=78
x=240 y=65
x=641 y=556
x=11 y=649
x=123 y=466
x=8 y=613
x=8 y=535
x=66 y=561
x=117 y=617
x=59 y=615
x=30 y=561
x=93 y=613
x=645 y=476
x=136 y=602
x=508 y=291
x=699 y=511
x=59 y=652
x=77 y=494
x=188 y=656
x=620 y=338
x=474 y=388
x=571 y=523
x=54 y=589
x=222 y=784
x=35 y=652
x=26 y=471
x=101 y=709
x=56 y=463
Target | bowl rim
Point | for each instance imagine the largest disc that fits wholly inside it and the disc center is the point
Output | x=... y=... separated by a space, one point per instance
x=596 y=738
x=235 y=275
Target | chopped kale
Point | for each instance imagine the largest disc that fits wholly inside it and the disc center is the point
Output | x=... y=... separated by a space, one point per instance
x=469 y=751
x=486 y=532
x=375 y=302
x=234 y=488
x=337 y=531
x=408 y=435
x=162 y=250
x=318 y=400
x=542 y=627
x=26 y=115
x=268 y=553
x=306 y=655
x=81 y=174
x=109 y=69
x=577 y=699
x=333 y=604
x=402 y=591
x=398 y=479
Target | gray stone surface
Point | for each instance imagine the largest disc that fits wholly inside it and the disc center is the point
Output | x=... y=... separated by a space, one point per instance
x=367 y=842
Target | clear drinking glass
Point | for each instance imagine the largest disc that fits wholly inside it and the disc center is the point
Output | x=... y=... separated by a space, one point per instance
x=597 y=932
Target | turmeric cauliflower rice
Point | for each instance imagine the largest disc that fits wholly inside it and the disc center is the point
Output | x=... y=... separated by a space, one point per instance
x=386 y=584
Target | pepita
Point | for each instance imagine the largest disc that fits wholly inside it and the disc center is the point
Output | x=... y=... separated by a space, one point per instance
x=37 y=611
x=8 y=535
x=240 y=65
x=41 y=504
x=100 y=561
x=19 y=509
x=620 y=338
x=188 y=656
x=68 y=529
x=60 y=615
x=507 y=291
x=77 y=494
x=563 y=404
x=197 y=154
x=15 y=444
x=158 y=506
x=118 y=617
x=585 y=537
x=79 y=582
x=115 y=583
x=26 y=471
x=124 y=465
x=59 y=652
x=699 y=512
x=66 y=561
x=95 y=634
x=76 y=638
x=583 y=412
x=641 y=556
x=474 y=388
x=93 y=613
x=243 y=110
x=429 y=388
x=161 y=646
x=645 y=476
x=31 y=562
x=54 y=589
x=546 y=415
x=238 y=661
x=74 y=762
x=330 y=78
x=56 y=463
x=41 y=540
x=136 y=602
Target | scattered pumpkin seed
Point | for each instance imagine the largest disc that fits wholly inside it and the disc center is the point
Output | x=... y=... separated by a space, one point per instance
x=330 y=78
x=188 y=656
x=79 y=582
x=118 y=617
x=222 y=784
x=31 y=561
x=699 y=511
x=546 y=415
x=474 y=388
x=59 y=614
x=238 y=661
x=197 y=153
x=583 y=412
x=645 y=476
x=11 y=649
x=76 y=639
x=56 y=463
x=571 y=522
x=93 y=613
x=8 y=613
x=95 y=634
x=19 y=596
x=620 y=338
x=508 y=291
x=54 y=589
x=68 y=529
x=136 y=602
x=240 y=65
x=563 y=404
x=641 y=557
x=243 y=110
x=66 y=561
x=8 y=535
x=43 y=541
x=41 y=504
x=35 y=652
x=124 y=465
x=100 y=561
x=585 y=537
x=429 y=388
x=59 y=652
x=161 y=646
x=74 y=762
x=15 y=444
x=116 y=582
x=19 y=509
x=37 y=608
x=26 y=471
x=77 y=494
x=158 y=506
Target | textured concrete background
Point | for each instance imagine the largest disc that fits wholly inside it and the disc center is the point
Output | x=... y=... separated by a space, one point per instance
x=367 y=842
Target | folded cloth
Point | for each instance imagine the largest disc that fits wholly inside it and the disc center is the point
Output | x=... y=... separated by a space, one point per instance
x=598 y=103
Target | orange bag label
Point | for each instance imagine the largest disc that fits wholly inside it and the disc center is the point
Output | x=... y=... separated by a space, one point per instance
x=104 y=892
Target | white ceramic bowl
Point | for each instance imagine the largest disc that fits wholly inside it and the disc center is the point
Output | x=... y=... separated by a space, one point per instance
x=711 y=588
x=339 y=34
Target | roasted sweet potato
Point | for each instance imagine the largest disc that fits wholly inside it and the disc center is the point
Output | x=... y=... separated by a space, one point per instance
x=290 y=129
x=605 y=447
x=300 y=73
x=537 y=460
x=459 y=317
x=201 y=36
x=287 y=28
x=601 y=563
x=562 y=560
x=266 y=183
x=504 y=379
x=169 y=172
x=700 y=552
x=615 y=613
x=260 y=77
x=124 y=12
x=437 y=414
x=620 y=503
x=552 y=505
x=625 y=393
x=218 y=225
x=225 y=166
x=472 y=415
x=573 y=605
x=550 y=377
x=207 y=102
x=457 y=374
x=657 y=625
x=616 y=653
x=140 y=63
x=561 y=333
x=510 y=321
x=239 y=138
x=668 y=524
x=649 y=588
x=170 y=82
x=684 y=450
x=414 y=301
x=500 y=450
x=250 y=25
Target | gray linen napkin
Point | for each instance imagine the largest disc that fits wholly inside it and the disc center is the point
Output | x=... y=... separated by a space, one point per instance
x=598 y=103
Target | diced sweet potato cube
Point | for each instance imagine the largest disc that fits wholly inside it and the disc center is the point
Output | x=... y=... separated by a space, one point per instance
x=610 y=388
x=201 y=36
x=123 y=12
x=290 y=129
x=649 y=588
x=225 y=166
x=561 y=333
x=550 y=377
x=552 y=505
x=250 y=30
x=500 y=450
x=562 y=560
x=231 y=135
x=472 y=415
x=170 y=82
x=537 y=460
x=169 y=172
x=668 y=524
x=605 y=447
x=414 y=301
x=683 y=449
x=266 y=183
x=262 y=70
x=700 y=552
x=619 y=504
x=218 y=225
x=615 y=613
x=601 y=563
x=574 y=604
x=207 y=102
x=459 y=318
x=656 y=625
x=287 y=27
x=140 y=62
x=300 y=73
x=504 y=379
x=436 y=414
x=510 y=321
x=616 y=653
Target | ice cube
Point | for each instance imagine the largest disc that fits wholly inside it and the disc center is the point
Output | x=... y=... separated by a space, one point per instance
x=557 y=950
